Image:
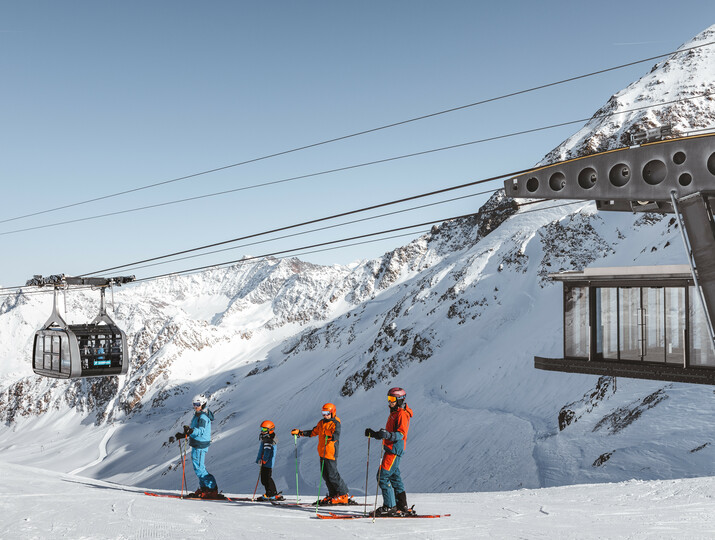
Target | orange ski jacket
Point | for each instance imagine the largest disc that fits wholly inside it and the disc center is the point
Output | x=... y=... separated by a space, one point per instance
x=328 y=433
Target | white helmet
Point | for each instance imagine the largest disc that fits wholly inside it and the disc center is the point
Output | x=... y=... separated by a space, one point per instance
x=200 y=401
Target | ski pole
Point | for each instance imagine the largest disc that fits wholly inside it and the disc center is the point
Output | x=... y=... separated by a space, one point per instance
x=295 y=440
x=183 y=468
x=379 y=473
x=367 y=473
x=260 y=470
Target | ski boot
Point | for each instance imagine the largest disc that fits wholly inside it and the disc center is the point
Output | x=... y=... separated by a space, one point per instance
x=385 y=511
x=211 y=494
x=341 y=499
x=401 y=506
x=269 y=498
x=196 y=494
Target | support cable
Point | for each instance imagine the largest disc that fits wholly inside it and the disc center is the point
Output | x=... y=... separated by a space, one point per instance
x=356 y=166
x=364 y=132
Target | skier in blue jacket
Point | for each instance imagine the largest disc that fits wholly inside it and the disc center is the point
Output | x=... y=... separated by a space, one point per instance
x=266 y=459
x=199 y=435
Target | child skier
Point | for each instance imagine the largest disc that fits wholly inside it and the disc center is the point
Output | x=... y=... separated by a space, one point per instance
x=328 y=432
x=267 y=458
x=394 y=498
x=199 y=436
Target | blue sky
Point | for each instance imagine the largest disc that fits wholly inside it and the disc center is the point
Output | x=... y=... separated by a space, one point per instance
x=101 y=97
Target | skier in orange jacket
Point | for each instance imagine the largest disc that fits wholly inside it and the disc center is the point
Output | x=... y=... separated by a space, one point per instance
x=328 y=432
x=394 y=498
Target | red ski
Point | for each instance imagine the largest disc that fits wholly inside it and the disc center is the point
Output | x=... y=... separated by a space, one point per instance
x=172 y=496
x=330 y=515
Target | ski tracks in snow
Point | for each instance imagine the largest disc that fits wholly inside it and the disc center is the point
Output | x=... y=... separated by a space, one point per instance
x=102 y=451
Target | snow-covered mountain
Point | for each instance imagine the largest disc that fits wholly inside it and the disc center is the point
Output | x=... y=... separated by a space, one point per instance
x=684 y=83
x=455 y=317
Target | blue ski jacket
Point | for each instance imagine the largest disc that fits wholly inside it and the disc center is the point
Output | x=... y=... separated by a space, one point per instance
x=201 y=424
x=267 y=452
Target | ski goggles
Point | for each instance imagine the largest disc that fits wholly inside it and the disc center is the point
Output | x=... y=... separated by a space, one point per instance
x=265 y=430
x=391 y=399
x=197 y=404
x=326 y=413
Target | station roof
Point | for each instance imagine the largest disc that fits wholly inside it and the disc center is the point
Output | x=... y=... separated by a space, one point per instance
x=642 y=274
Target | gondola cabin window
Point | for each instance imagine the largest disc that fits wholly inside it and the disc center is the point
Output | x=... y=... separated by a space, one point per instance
x=52 y=353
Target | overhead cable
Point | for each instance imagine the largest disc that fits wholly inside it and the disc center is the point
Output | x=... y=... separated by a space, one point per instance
x=359 y=165
x=359 y=133
x=352 y=222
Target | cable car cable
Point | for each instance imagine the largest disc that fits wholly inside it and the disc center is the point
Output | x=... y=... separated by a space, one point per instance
x=355 y=166
x=310 y=222
x=352 y=222
x=260 y=257
x=364 y=132
x=367 y=235
x=19 y=288
x=33 y=290
x=461 y=186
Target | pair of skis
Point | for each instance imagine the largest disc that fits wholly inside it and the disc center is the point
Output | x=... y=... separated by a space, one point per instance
x=329 y=515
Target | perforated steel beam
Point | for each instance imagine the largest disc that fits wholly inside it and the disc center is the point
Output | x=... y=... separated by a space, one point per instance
x=633 y=178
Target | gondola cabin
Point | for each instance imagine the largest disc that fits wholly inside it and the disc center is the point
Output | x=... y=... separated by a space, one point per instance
x=69 y=351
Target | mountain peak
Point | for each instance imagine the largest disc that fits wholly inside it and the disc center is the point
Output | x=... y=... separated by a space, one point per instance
x=660 y=97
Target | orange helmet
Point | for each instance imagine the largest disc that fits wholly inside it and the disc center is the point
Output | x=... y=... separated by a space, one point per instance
x=329 y=407
x=268 y=426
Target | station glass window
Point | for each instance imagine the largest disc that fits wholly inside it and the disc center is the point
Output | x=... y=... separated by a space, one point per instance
x=675 y=325
x=701 y=347
x=653 y=314
x=636 y=323
x=629 y=322
x=607 y=322
x=576 y=326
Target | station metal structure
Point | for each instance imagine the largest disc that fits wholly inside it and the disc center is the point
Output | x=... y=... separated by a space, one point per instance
x=70 y=351
x=654 y=174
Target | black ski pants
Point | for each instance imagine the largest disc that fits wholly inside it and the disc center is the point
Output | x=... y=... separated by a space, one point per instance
x=336 y=485
x=267 y=481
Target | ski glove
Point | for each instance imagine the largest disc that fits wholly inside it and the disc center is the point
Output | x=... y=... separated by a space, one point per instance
x=295 y=432
x=300 y=433
x=187 y=431
x=171 y=440
x=382 y=434
x=370 y=433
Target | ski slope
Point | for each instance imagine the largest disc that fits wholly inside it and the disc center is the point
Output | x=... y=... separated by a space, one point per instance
x=36 y=503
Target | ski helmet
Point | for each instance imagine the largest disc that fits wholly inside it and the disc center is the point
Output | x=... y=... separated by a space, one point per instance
x=329 y=407
x=398 y=393
x=268 y=426
x=200 y=400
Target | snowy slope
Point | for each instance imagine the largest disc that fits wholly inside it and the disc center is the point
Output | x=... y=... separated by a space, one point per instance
x=455 y=317
x=100 y=510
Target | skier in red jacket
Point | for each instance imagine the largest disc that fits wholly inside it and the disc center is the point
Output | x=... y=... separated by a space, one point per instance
x=394 y=498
